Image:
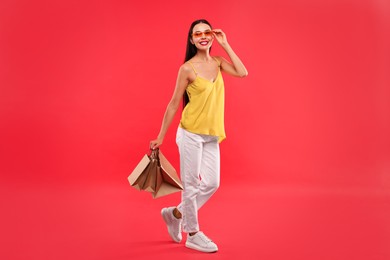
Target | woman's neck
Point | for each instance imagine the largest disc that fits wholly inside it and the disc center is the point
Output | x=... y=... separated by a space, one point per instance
x=203 y=56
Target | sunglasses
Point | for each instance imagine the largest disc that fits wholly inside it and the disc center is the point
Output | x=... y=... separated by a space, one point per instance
x=200 y=34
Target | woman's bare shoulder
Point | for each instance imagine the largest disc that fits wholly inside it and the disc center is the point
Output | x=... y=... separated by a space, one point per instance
x=187 y=71
x=186 y=67
x=219 y=59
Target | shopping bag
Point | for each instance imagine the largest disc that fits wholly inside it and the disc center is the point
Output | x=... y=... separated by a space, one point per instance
x=156 y=175
x=170 y=180
x=145 y=174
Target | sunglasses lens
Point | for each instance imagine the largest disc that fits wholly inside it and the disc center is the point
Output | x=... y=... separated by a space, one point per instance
x=199 y=34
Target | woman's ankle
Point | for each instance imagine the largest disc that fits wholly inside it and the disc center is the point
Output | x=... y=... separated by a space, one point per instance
x=177 y=213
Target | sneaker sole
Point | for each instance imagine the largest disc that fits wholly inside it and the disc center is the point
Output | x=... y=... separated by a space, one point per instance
x=166 y=223
x=201 y=249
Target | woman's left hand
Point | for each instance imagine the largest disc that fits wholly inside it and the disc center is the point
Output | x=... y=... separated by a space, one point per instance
x=220 y=36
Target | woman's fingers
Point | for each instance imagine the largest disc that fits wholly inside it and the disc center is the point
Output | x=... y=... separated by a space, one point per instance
x=154 y=144
x=219 y=35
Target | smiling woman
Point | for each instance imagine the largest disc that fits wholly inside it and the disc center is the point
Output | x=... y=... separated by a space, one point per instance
x=305 y=168
x=201 y=129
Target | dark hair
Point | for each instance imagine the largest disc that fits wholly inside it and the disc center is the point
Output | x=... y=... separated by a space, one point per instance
x=191 y=50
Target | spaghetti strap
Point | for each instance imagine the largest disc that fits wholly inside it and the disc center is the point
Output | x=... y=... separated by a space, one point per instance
x=196 y=73
x=219 y=64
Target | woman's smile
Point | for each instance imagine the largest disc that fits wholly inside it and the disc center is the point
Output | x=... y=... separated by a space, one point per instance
x=204 y=42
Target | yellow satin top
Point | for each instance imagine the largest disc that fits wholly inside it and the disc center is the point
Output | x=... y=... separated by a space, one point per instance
x=204 y=113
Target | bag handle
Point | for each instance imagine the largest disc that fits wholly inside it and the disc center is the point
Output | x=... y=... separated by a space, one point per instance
x=154 y=153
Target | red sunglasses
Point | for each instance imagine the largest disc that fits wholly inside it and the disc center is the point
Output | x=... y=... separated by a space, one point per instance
x=200 y=34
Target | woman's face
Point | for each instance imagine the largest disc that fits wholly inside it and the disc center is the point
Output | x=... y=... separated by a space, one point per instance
x=202 y=36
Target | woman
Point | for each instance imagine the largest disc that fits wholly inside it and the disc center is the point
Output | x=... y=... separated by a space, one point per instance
x=200 y=84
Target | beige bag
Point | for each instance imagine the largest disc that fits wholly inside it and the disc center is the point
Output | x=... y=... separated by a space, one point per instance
x=156 y=175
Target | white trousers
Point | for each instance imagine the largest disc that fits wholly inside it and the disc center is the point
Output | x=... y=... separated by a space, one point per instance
x=199 y=172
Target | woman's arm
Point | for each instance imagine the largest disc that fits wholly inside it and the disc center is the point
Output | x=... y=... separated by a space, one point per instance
x=236 y=67
x=173 y=105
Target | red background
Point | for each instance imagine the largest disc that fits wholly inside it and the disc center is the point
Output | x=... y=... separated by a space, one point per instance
x=84 y=86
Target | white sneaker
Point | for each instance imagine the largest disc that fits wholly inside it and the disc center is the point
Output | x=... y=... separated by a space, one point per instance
x=173 y=224
x=201 y=242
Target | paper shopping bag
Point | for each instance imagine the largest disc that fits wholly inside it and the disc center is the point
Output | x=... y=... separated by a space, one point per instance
x=138 y=176
x=156 y=175
x=170 y=180
x=153 y=177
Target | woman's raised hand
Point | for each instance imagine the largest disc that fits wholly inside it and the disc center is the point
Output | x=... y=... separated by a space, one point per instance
x=220 y=36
